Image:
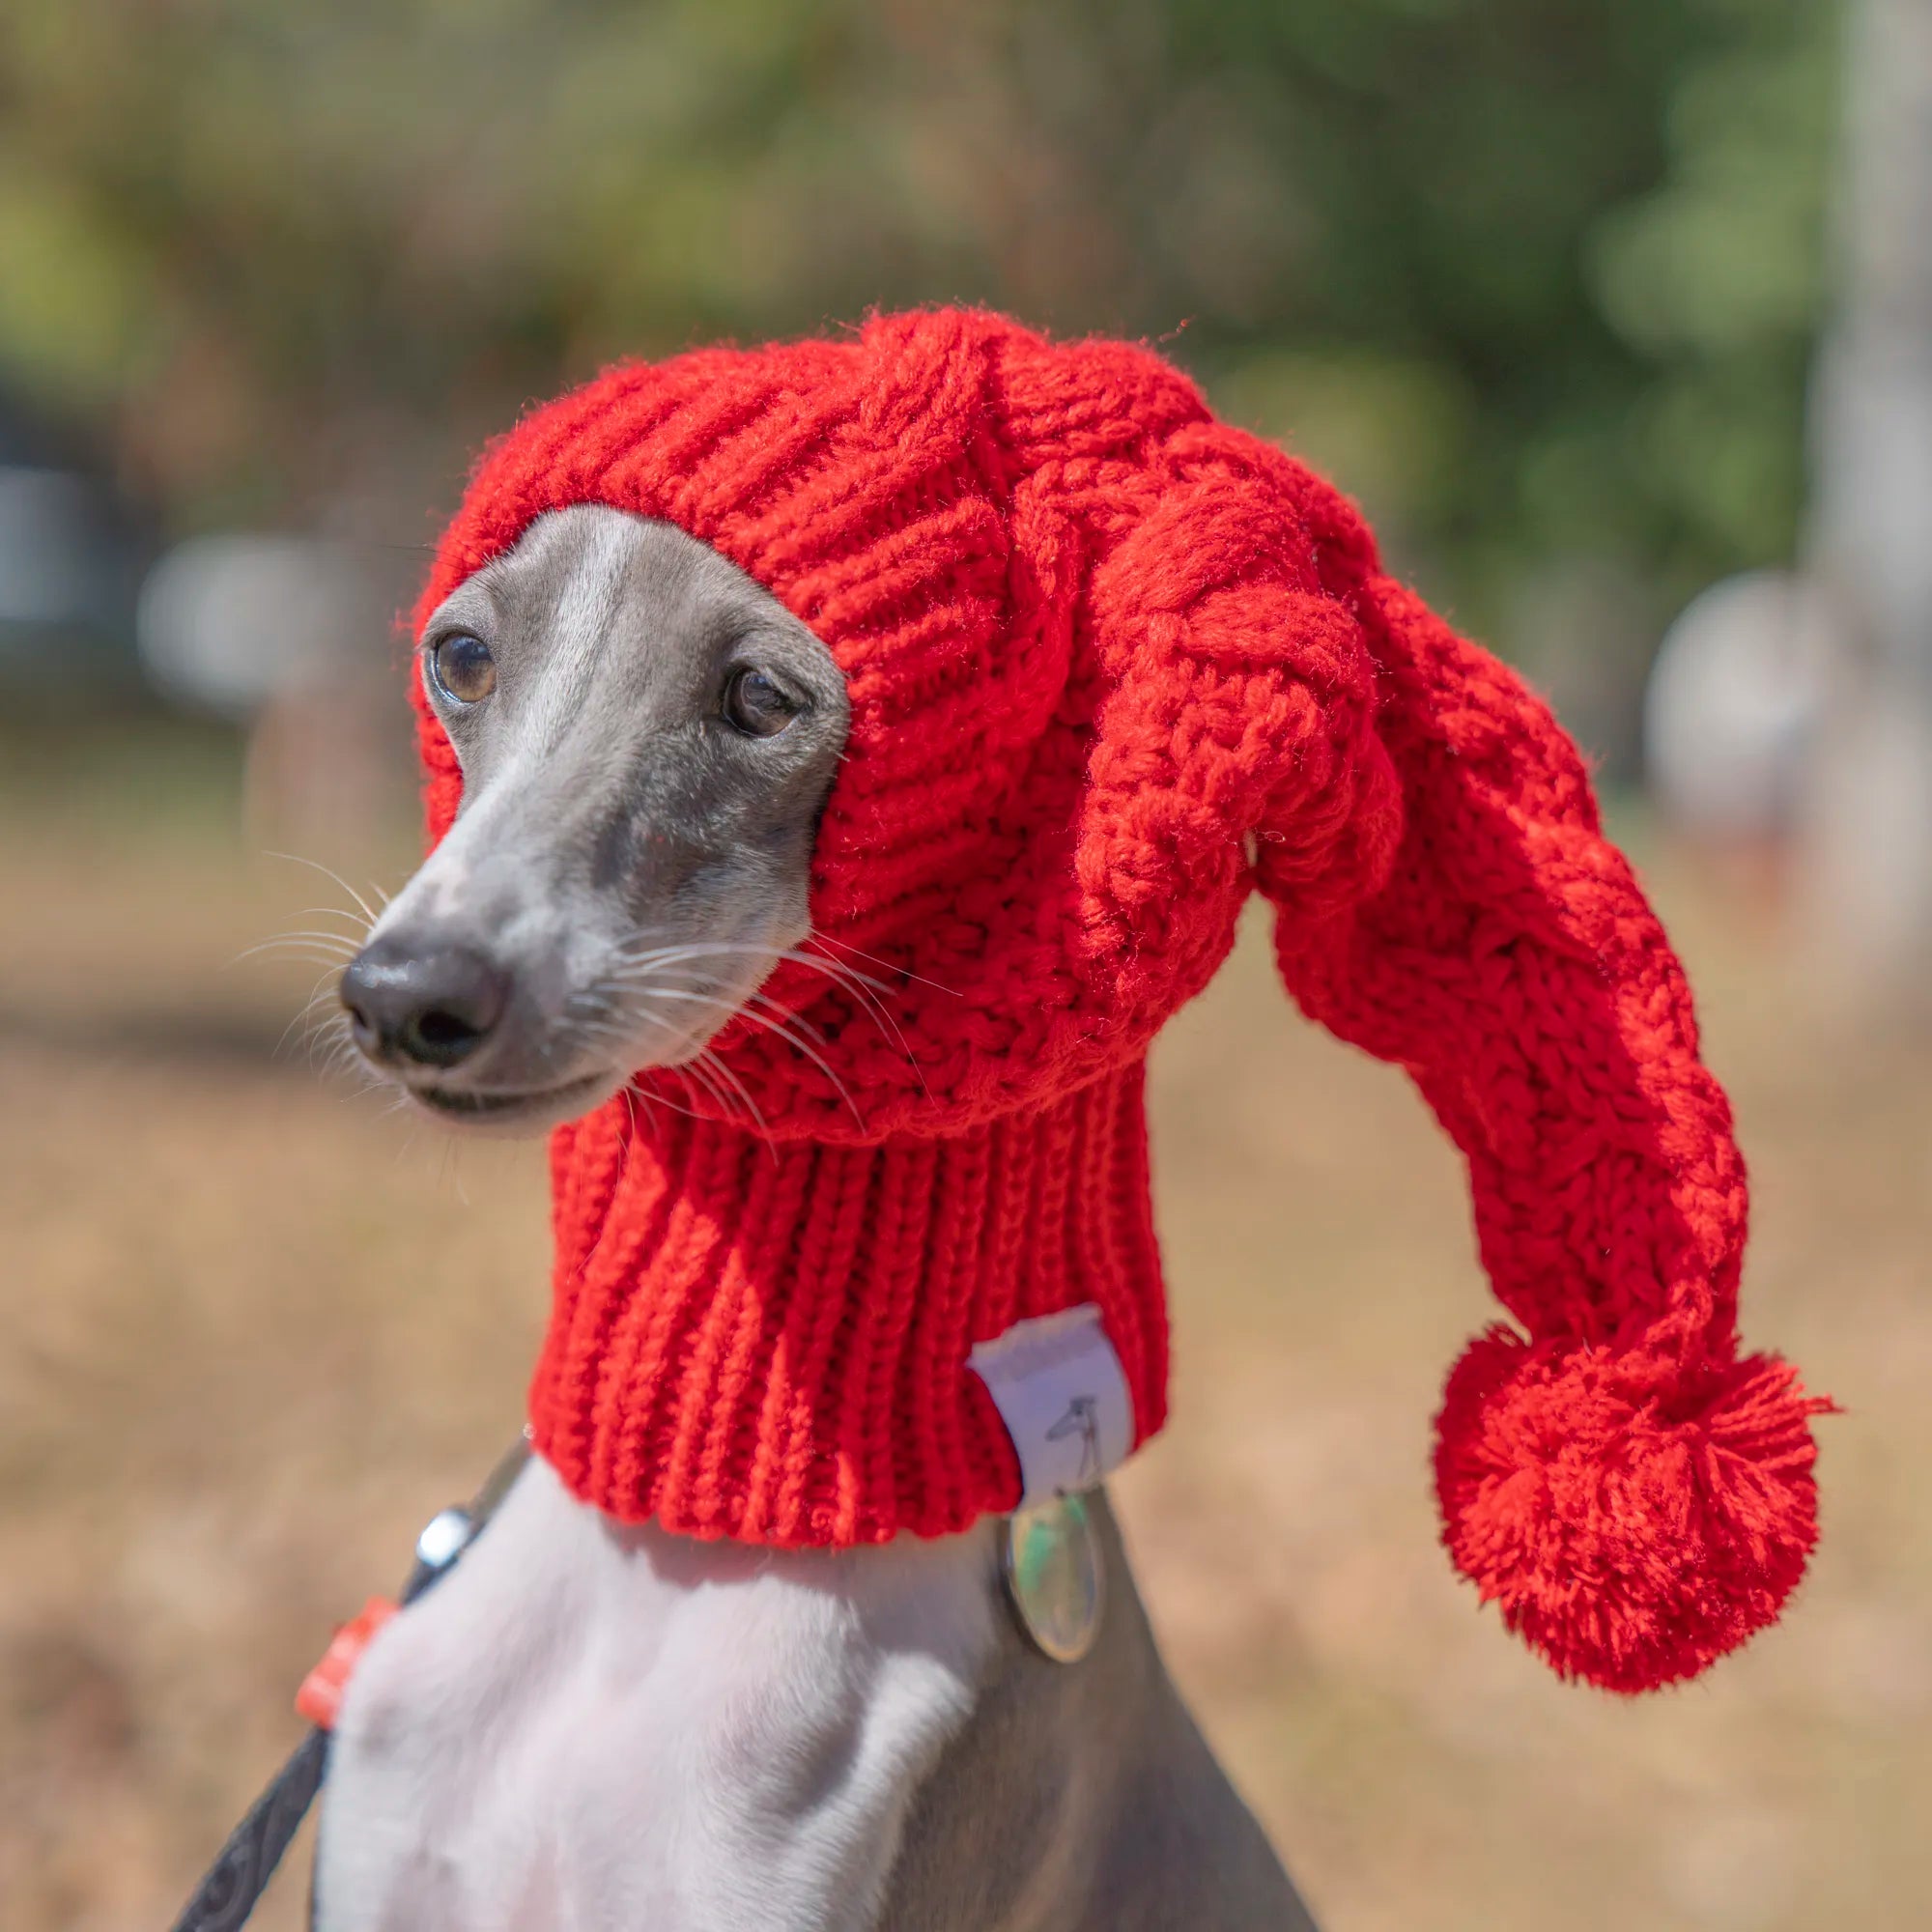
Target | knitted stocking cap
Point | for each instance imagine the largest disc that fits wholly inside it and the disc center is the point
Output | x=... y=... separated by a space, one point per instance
x=1113 y=666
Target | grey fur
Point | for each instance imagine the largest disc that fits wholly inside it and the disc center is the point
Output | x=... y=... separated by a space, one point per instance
x=1083 y=1797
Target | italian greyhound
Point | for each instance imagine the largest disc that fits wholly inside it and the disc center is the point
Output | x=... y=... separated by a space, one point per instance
x=592 y=1724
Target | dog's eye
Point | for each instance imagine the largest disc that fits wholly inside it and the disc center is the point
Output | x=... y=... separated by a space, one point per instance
x=462 y=669
x=757 y=705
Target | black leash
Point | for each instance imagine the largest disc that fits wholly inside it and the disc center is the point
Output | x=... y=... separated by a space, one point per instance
x=227 y=1896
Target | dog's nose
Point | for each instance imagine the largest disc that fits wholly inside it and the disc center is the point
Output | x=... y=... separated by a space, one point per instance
x=435 y=1008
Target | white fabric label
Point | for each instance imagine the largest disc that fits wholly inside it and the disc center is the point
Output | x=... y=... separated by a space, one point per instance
x=1060 y=1389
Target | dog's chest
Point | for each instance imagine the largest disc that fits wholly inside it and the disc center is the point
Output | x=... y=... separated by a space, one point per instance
x=589 y=1726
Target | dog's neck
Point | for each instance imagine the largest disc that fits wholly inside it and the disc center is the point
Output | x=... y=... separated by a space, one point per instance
x=770 y=1340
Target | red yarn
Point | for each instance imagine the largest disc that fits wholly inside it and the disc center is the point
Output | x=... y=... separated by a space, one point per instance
x=1113 y=666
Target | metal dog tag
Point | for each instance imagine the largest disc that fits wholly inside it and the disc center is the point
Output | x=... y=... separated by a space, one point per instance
x=1055 y=1575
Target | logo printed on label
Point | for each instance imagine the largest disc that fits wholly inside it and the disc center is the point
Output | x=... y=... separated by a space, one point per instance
x=1061 y=1391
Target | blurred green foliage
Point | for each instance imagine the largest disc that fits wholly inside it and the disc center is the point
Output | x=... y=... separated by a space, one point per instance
x=1536 y=278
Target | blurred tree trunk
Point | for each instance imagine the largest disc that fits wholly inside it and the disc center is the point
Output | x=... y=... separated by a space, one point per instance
x=1869 y=835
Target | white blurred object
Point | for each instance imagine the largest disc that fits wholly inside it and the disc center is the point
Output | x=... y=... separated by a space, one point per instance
x=295 y=638
x=230 y=622
x=1867 y=849
x=1735 y=704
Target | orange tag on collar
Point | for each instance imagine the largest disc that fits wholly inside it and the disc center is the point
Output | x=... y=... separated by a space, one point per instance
x=320 y=1697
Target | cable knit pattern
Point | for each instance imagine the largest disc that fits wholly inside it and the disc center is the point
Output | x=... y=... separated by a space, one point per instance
x=1111 y=666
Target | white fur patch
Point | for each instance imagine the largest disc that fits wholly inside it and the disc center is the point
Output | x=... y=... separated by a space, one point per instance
x=590 y=1726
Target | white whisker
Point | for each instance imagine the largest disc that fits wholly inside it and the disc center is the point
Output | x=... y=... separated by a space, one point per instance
x=817 y=938
x=329 y=941
x=296 y=858
x=771 y=1026
x=707 y=1059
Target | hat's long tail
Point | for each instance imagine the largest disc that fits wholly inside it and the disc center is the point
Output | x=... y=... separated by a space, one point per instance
x=1636 y=1497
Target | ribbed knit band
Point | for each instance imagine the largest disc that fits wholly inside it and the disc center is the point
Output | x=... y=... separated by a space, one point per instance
x=769 y=1342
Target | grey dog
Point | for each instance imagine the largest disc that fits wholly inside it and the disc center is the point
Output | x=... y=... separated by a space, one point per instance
x=599 y=1726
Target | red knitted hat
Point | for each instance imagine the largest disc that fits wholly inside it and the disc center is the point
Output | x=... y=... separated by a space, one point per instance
x=1113 y=666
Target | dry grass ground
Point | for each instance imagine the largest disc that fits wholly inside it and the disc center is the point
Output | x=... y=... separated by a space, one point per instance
x=251 y=1332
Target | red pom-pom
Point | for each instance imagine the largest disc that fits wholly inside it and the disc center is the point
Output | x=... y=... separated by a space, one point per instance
x=1635 y=1519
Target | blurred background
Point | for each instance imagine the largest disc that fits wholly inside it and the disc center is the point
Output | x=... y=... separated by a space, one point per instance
x=1617 y=317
